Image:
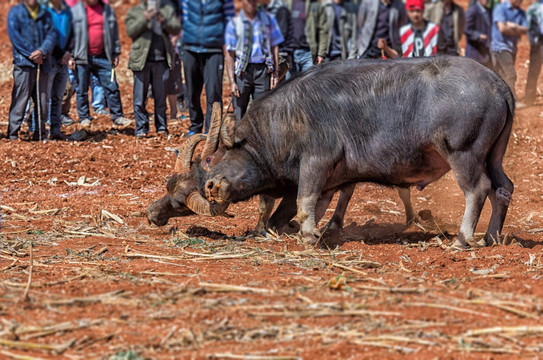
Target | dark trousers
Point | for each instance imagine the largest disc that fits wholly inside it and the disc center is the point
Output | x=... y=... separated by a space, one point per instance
x=58 y=77
x=155 y=73
x=25 y=83
x=200 y=69
x=536 y=57
x=504 y=64
x=102 y=69
x=254 y=81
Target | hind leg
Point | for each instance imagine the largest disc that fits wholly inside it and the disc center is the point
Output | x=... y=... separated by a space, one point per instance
x=337 y=220
x=476 y=185
x=500 y=199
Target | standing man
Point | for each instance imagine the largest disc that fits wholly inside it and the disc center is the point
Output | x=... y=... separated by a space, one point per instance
x=337 y=30
x=378 y=25
x=33 y=38
x=58 y=76
x=478 y=32
x=451 y=20
x=96 y=51
x=251 y=40
x=204 y=22
x=151 y=59
x=304 y=44
x=534 y=17
x=508 y=24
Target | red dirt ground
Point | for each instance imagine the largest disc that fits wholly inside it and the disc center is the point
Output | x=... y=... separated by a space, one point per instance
x=116 y=288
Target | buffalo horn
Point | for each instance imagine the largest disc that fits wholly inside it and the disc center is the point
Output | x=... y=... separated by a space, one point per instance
x=182 y=164
x=201 y=206
x=214 y=129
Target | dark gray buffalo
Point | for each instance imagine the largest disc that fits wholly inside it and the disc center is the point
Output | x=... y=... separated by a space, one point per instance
x=398 y=123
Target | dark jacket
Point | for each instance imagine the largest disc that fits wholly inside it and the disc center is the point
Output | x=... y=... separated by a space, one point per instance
x=204 y=26
x=367 y=20
x=27 y=35
x=279 y=9
x=347 y=29
x=435 y=11
x=112 y=46
x=478 y=21
x=141 y=33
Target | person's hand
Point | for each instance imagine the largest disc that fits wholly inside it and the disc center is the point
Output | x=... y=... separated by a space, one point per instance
x=483 y=37
x=67 y=56
x=37 y=57
x=273 y=80
x=161 y=19
x=149 y=14
x=115 y=62
x=234 y=89
x=382 y=43
x=71 y=64
x=320 y=60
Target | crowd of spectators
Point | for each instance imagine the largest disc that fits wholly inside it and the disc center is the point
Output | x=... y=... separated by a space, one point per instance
x=62 y=47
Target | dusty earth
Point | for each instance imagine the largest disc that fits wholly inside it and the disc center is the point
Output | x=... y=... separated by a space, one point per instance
x=106 y=284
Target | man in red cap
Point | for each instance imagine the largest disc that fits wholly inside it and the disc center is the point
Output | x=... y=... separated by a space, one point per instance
x=420 y=37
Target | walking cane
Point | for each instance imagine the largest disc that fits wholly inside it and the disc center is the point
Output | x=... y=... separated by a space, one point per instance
x=38 y=102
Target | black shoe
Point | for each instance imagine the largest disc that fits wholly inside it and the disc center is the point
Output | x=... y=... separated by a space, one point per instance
x=58 y=136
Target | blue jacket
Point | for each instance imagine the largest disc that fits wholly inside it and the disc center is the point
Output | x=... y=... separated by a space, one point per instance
x=27 y=35
x=204 y=23
x=62 y=22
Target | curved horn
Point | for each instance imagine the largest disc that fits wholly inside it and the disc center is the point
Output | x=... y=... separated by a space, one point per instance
x=182 y=164
x=201 y=206
x=214 y=130
x=227 y=130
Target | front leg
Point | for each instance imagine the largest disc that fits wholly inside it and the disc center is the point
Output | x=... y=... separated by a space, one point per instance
x=265 y=208
x=311 y=181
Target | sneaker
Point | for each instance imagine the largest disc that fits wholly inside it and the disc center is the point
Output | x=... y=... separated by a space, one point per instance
x=189 y=134
x=121 y=122
x=58 y=136
x=140 y=135
x=85 y=124
x=66 y=120
x=101 y=112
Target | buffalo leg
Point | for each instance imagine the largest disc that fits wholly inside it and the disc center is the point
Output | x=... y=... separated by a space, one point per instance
x=405 y=196
x=475 y=191
x=265 y=208
x=285 y=211
x=499 y=199
x=309 y=190
x=345 y=194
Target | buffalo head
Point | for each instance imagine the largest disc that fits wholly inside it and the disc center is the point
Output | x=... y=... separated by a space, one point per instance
x=183 y=197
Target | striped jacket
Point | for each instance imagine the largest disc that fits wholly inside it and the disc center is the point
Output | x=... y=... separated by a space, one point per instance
x=407 y=36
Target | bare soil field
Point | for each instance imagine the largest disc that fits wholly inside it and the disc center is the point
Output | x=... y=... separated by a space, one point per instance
x=105 y=284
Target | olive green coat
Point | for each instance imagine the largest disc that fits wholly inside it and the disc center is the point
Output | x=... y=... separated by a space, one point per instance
x=141 y=33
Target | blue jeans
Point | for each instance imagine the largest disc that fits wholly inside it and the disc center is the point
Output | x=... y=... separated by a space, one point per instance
x=302 y=60
x=102 y=69
x=98 y=94
x=55 y=88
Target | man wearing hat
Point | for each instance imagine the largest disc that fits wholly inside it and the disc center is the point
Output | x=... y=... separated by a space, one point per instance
x=420 y=37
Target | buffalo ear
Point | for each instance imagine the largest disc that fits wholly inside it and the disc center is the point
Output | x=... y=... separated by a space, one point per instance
x=227 y=130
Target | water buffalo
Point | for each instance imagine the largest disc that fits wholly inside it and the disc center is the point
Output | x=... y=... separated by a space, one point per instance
x=400 y=123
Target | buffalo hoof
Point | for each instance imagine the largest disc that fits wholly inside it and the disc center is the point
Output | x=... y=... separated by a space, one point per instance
x=459 y=245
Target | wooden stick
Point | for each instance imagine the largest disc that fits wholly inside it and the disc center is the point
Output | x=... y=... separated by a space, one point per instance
x=25 y=294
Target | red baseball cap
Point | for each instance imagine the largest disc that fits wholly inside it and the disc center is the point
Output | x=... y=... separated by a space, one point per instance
x=414 y=4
